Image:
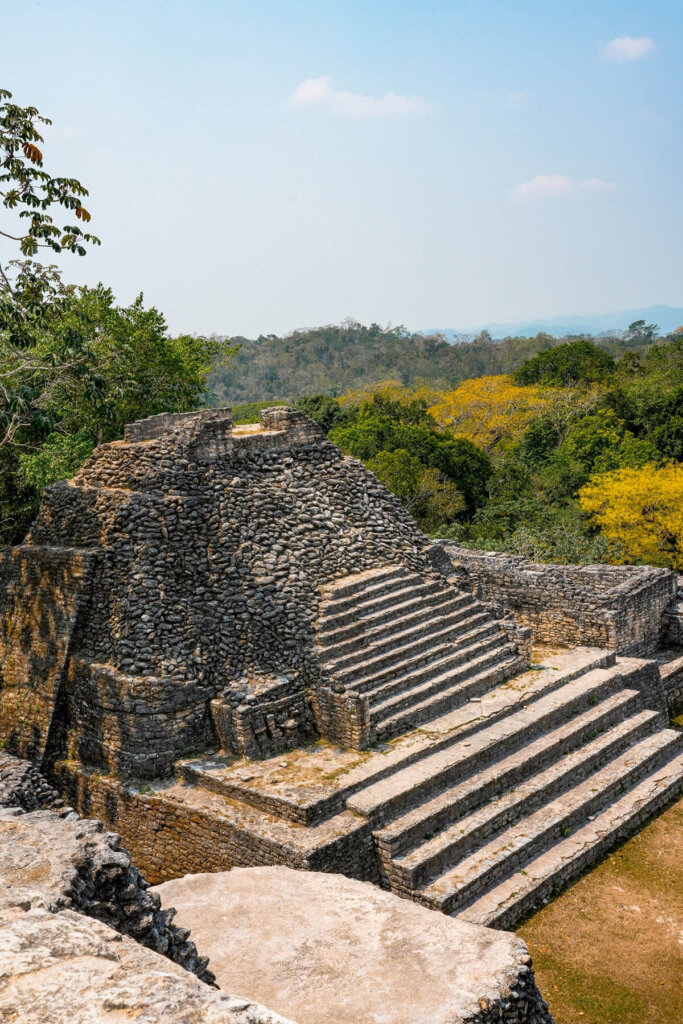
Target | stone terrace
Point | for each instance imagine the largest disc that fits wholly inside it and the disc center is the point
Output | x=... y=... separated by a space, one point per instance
x=198 y=597
x=484 y=811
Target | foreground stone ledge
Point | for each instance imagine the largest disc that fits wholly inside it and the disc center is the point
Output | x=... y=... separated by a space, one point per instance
x=325 y=949
x=69 y=969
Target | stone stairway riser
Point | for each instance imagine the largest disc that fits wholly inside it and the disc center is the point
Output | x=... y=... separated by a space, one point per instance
x=548 y=835
x=421 y=652
x=394 y=697
x=443 y=701
x=510 y=917
x=366 y=583
x=468 y=765
x=335 y=606
x=462 y=847
x=395 y=621
x=329 y=633
x=395 y=846
x=420 y=636
x=417 y=670
x=333 y=618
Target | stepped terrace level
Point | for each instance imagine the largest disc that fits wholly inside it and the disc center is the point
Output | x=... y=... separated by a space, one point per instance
x=197 y=586
x=236 y=648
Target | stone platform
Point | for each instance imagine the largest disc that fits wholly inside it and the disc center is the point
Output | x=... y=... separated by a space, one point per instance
x=324 y=949
x=484 y=811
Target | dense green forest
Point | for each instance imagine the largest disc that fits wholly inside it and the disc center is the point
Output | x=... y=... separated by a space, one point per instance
x=578 y=456
x=335 y=359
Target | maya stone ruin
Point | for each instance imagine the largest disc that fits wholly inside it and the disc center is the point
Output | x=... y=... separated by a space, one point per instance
x=233 y=645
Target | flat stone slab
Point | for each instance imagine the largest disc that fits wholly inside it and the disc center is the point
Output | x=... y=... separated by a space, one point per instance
x=324 y=949
x=69 y=969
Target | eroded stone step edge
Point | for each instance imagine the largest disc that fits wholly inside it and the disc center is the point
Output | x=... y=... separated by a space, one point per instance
x=349 y=587
x=446 y=699
x=436 y=814
x=371 y=591
x=507 y=904
x=411 y=671
x=411 y=595
x=512 y=848
x=438 y=855
x=331 y=619
x=442 y=626
x=451 y=662
x=411 y=785
x=467 y=720
x=421 y=651
x=396 y=619
x=398 y=695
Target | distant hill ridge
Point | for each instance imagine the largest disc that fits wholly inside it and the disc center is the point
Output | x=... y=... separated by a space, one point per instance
x=667 y=317
x=337 y=358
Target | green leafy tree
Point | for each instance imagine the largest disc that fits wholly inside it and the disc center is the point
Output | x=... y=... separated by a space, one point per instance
x=576 y=363
x=382 y=426
x=426 y=493
x=323 y=409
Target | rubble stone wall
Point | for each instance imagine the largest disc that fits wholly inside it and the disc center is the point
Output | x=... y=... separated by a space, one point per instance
x=81 y=867
x=43 y=593
x=207 y=550
x=619 y=607
x=168 y=838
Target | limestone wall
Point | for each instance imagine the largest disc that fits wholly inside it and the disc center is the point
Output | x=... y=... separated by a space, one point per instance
x=619 y=607
x=169 y=837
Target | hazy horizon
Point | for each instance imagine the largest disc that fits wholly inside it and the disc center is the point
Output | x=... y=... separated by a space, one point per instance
x=258 y=168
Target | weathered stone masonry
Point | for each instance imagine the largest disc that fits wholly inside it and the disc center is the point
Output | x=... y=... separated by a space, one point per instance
x=620 y=607
x=199 y=553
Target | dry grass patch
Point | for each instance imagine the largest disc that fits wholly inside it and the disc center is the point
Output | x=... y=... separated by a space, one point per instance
x=610 y=949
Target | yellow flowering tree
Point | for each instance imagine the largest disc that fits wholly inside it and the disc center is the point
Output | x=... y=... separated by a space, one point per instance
x=642 y=509
x=489 y=409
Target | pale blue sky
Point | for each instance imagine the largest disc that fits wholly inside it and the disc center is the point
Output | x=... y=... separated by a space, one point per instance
x=260 y=166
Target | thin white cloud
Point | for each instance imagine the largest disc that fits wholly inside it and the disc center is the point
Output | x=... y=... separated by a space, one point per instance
x=626 y=48
x=319 y=92
x=516 y=100
x=549 y=186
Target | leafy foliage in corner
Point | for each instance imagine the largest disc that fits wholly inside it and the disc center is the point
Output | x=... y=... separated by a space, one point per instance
x=74 y=367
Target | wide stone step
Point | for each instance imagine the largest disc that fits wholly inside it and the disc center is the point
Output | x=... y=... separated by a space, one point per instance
x=513 y=847
x=399 y=694
x=366 y=589
x=395 y=619
x=444 y=662
x=450 y=697
x=439 y=703
x=391 y=659
x=463 y=837
x=387 y=798
x=331 y=619
x=436 y=814
x=508 y=903
x=364 y=582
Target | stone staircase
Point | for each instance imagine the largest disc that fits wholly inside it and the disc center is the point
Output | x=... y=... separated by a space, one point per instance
x=492 y=822
x=415 y=646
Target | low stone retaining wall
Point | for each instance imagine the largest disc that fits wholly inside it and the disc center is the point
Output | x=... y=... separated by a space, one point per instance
x=169 y=837
x=619 y=607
